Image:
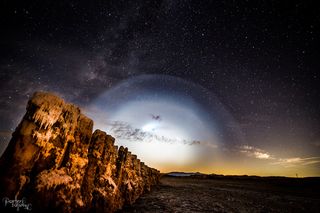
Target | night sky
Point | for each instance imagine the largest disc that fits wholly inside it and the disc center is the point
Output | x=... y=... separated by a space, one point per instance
x=225 y=87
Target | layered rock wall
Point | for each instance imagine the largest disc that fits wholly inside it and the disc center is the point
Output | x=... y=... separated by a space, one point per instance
x=56 y=162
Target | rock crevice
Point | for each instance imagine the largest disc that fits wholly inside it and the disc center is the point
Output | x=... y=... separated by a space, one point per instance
x=56 y=162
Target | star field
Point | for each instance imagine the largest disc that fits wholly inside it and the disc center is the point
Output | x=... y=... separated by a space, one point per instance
x=260 y=59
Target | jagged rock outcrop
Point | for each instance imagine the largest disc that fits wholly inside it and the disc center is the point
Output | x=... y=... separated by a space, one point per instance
x=56 y=162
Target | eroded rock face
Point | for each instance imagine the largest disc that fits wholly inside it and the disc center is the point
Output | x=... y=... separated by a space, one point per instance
x=56 y=162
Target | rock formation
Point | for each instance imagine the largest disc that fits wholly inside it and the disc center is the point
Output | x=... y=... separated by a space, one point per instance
x=55 y=162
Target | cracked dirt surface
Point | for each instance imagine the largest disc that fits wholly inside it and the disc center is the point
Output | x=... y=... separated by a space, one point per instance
x=176 y=194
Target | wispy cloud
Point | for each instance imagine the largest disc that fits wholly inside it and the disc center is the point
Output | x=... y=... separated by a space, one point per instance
x=255 y=152
x=296 y=161
x=316 y=143
x=123 y=130
x=204 y=143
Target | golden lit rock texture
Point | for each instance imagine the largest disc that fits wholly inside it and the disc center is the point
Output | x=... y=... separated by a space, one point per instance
x=56 y=162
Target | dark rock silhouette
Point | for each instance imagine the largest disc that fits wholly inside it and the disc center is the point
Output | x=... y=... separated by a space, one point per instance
x=57 y=163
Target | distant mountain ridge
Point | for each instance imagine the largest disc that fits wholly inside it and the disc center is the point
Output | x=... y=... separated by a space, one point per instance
x=183 y=174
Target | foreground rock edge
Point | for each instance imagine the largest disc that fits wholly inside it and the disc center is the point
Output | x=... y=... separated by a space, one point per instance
x=56 y=162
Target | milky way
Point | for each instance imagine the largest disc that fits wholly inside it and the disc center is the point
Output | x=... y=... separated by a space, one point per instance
x=255 y=67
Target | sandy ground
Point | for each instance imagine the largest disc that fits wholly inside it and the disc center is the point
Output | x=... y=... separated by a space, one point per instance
x=176 y=194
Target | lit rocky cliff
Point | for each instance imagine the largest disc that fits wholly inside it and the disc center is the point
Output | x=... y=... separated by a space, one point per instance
x=57 y=163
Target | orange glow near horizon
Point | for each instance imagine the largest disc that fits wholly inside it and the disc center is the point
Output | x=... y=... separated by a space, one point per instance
x=266 y=171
